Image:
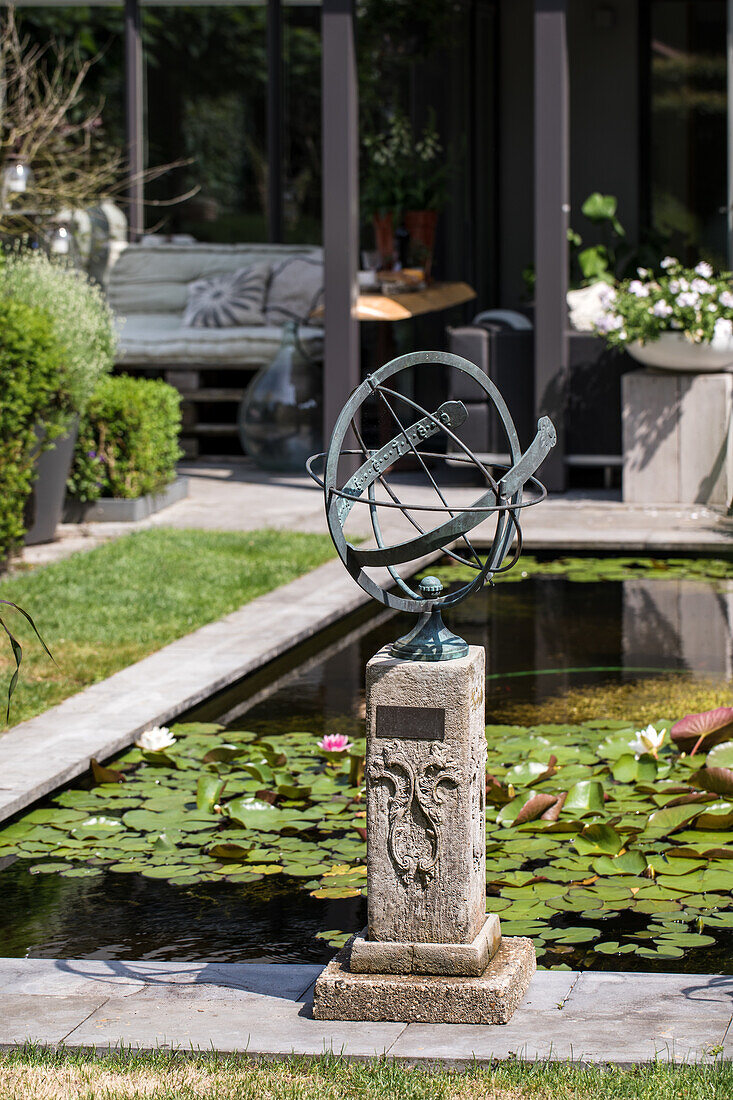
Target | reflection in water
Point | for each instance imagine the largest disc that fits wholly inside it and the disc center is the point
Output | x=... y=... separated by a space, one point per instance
x=543 y=637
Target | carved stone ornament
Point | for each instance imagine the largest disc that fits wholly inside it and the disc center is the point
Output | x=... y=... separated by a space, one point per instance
x=414 y=808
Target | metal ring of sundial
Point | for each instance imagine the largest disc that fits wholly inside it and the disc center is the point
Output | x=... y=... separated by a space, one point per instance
x=503 y=499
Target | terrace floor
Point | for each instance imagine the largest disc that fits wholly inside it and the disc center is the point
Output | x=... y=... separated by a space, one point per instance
x=264 y=1010
x=238 y=496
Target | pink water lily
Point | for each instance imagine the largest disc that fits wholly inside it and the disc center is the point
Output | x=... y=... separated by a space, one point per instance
x=711 y=726
x=334 y=742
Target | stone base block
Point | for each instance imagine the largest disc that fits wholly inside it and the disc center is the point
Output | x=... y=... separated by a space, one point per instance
x=467 y=959
x=677 y=438
x=491 y=998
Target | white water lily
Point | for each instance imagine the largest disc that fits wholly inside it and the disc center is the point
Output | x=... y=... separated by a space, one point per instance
x=156 y=739
x=647 y=740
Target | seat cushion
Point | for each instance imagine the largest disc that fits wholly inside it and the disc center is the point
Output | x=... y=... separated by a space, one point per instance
x=225 y=301
x=155 y=278
x=157 y=339
x=296 y=289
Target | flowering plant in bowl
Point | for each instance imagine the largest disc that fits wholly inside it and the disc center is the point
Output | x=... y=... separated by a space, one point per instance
x=678 y=318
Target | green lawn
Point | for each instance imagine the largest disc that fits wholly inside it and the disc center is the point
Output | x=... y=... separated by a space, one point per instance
x=165 y=1076
x=102 y=610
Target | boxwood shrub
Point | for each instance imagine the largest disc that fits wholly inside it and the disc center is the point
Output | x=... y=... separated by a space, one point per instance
x=33 y=410
x=128 y=439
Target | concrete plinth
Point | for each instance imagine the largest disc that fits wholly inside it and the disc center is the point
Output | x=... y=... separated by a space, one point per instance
x=677 y=438
x=467 y=959
x=491 y=998
x=425 y=777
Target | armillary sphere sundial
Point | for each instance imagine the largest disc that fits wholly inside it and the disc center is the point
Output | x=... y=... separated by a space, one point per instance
x=430 y=640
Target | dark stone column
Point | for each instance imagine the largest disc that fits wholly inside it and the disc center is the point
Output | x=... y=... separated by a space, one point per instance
x=552 y=210
x=340 y=207
x=274 y=121
x=134 y=118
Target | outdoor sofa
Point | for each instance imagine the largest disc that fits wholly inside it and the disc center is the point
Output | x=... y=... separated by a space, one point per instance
x=150 y=289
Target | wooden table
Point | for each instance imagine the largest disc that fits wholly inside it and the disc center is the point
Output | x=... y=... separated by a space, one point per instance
x=400 y=307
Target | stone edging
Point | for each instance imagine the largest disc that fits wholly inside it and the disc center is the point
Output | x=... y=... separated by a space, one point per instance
x=46 y=752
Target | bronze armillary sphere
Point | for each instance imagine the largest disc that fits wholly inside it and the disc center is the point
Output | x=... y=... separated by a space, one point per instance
x=430 y=640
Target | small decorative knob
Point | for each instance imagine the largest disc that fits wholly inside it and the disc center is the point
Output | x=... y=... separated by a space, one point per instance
x=430 y=588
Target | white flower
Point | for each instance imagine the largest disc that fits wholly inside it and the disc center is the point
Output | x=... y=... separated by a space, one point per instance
x=712 y=307
x=661 y=309
x=609 y=322
x=606 y=296
x=669 y=261
x=643 y=272
x=647 y=740
x=726 y=299
x=702 y=286
x=704 y=269
x=723 y=328
x=156 y=739
x=688 y=298
x=637 y=288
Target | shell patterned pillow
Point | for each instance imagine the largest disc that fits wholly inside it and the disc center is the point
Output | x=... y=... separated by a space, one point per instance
x=228 y=301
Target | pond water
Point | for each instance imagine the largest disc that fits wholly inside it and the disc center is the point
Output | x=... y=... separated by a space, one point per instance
x=555 y=649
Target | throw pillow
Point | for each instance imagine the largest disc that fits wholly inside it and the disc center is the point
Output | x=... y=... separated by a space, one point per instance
x=226 y=301
x=296 y=289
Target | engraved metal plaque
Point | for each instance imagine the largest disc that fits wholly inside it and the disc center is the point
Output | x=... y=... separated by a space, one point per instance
x=411 y=723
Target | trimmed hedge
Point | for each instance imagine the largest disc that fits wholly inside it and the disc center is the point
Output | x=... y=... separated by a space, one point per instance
x=31 y=364
x=128 y=440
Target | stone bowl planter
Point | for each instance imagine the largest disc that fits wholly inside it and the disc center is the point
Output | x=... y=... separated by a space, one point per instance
x=673 y=351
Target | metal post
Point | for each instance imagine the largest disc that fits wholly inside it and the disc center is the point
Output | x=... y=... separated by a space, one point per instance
x=134 y=117
x=552 y=210
x=274 y=121
x=340 y=207
x=729 y=135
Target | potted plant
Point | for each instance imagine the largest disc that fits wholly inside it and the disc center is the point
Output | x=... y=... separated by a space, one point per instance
x=383 y=158
x=404 y=179
x=127 y=446
x=424 y=197
x=678 y=319
x=82 y=323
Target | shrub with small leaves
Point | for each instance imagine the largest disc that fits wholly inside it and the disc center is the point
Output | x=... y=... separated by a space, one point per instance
x=128 y=440
x=33 y=411
x=79 y=314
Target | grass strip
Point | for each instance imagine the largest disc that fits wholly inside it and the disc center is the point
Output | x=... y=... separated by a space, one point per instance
x=63 y=1075
x=104 y=609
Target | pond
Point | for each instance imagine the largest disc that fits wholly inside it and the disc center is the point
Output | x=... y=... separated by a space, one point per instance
x=587 y=659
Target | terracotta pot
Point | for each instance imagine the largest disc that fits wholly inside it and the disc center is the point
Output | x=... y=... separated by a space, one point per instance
x=420 y=224
x=384 y=239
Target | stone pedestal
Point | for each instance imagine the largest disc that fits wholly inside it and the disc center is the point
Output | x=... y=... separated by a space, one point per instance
x=425 y=768
x=677 y=438
x=430 y=952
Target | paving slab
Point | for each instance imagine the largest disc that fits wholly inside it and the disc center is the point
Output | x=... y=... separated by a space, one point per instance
x=46 y=1021
x=118 y=978
x=264 y=1009
x=237 y=496
x=593 y=1017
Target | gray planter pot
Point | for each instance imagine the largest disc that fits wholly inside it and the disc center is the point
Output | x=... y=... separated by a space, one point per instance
x=46 y=501
x=117 y=510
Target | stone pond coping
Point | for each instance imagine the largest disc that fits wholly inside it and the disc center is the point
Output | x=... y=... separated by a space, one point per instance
x=264 y=1009
x=47 y=752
